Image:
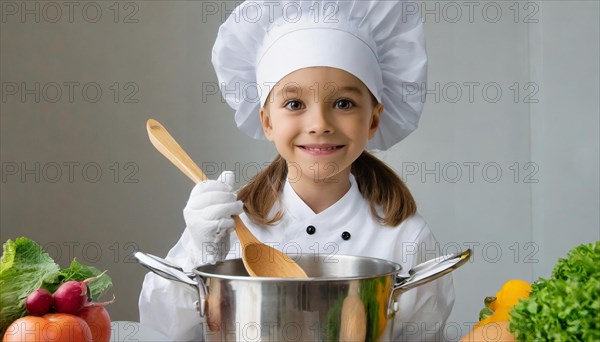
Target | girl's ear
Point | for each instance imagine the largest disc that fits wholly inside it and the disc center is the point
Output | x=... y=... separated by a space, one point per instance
x=265 y=121
x=375 y=115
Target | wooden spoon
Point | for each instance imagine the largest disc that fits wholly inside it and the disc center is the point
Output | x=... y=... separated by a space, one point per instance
x=259 y=259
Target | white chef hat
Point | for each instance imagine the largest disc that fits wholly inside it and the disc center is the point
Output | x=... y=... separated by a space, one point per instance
x=380 y=42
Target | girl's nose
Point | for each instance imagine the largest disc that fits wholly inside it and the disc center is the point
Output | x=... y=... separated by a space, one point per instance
x=320 y=122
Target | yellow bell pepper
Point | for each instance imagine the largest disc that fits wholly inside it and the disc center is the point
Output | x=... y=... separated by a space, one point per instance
x=505 y=299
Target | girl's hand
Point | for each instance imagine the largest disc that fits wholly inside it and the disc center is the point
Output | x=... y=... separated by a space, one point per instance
x=208 y=217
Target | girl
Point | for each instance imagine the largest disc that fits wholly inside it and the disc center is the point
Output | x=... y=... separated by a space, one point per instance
x=331 y=79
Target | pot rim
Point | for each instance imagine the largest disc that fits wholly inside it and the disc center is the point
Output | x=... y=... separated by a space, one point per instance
x=395 y=270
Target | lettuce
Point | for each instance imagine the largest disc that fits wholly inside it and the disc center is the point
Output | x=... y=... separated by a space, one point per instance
x=565 y=307
x=26 y=267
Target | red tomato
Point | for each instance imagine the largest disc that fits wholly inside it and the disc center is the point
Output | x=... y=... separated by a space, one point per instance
x=26 y=329
x=55 y=327
x=98 y=320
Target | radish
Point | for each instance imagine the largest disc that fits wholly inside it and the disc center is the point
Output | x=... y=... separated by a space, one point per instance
x=72 y=296
x=39 y=302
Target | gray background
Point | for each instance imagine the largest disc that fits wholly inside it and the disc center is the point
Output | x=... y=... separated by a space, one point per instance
x=513 y=176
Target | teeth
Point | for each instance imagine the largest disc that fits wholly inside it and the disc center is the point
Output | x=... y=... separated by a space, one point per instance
x=320 y=148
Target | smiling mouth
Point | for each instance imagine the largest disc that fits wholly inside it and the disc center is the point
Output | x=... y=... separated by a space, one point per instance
x=320 y=148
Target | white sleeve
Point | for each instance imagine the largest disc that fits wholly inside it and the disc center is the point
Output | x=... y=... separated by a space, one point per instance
x=168 y=306
x=424 y=310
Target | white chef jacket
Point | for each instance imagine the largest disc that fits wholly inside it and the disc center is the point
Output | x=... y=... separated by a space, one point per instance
x=167 y=306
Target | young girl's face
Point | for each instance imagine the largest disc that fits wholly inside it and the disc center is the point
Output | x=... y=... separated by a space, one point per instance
x=320 y=119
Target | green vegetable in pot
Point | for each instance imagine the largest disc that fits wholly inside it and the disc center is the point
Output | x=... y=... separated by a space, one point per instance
x=25 y=267
x=565 y=307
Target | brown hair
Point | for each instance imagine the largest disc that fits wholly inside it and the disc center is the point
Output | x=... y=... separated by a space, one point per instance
x=377 y=183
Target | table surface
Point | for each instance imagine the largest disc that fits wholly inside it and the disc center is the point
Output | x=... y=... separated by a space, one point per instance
x=125 y=331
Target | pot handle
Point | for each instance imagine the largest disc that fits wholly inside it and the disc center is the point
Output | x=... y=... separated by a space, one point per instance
x=424 y=273
x=171 y=271
x=165 y=269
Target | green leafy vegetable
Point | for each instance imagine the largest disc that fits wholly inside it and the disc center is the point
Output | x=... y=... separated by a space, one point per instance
x=565 y=307
x=26 y=267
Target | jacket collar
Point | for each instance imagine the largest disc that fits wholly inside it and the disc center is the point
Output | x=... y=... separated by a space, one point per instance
x=337 y=214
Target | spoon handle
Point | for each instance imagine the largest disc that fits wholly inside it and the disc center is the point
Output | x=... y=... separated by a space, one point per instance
x=244 y=235
x=165 y=144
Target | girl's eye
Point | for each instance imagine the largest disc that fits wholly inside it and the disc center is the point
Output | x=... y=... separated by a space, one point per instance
x=344 y=104
x=293 y=105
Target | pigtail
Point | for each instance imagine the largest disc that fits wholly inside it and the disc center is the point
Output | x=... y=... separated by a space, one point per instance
x=262 y=192
x=380 y=185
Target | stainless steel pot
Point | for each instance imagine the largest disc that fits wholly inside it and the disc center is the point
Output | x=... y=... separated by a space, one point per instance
x=345 y=297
